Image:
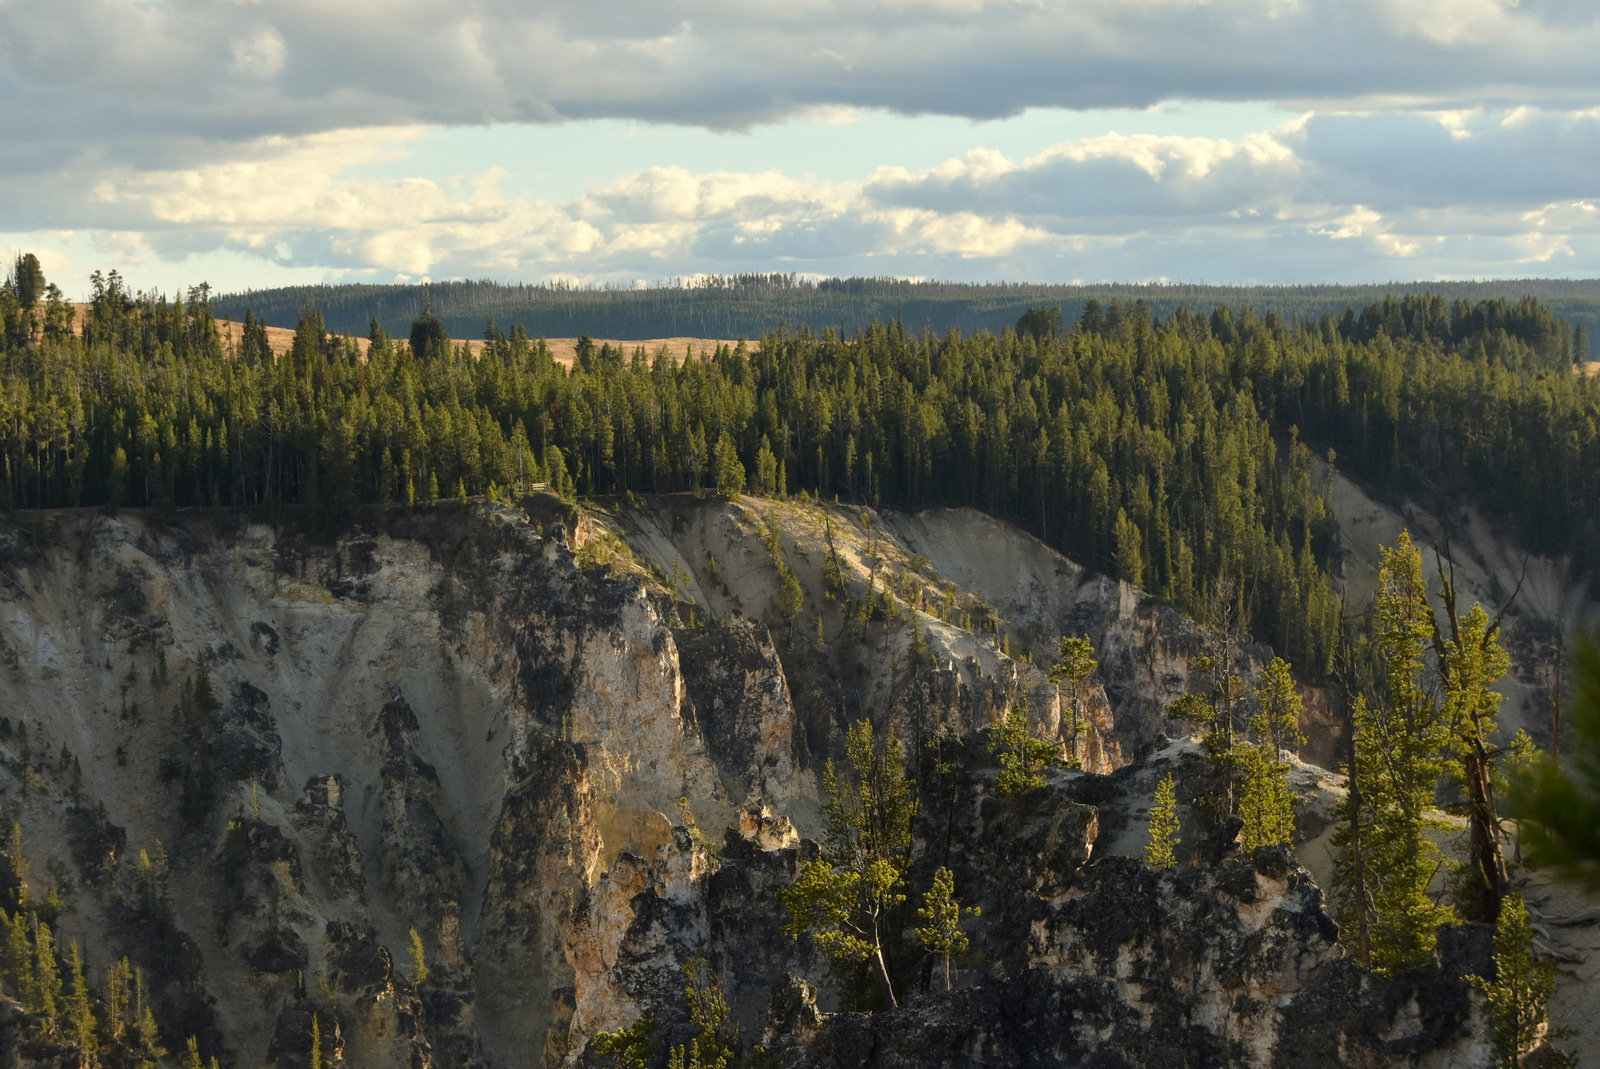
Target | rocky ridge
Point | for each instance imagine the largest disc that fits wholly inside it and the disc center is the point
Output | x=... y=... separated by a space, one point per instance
x=254 y=763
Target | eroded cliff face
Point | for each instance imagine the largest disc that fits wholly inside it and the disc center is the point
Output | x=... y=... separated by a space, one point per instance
x=572 y=751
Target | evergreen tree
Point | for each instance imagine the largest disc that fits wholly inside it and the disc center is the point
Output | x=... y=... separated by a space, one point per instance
x=1161 y=846
x=1519 y=995
x=630 y=1047
x=16 y=872
x=1074 y=668
x=940 y=933
x=18 y=974
x=730 y=472
x=1470 y=660
x=846 y=898
x=1265 y=800
x=46 y=999
x=27 y=280
x=80 y=1015
x=117 y=980
x=1399 y=742
x=1023 y=758
x=1216 y=706
x=716 y=1039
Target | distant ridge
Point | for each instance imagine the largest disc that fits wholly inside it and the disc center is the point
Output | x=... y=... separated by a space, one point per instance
x=729 y=306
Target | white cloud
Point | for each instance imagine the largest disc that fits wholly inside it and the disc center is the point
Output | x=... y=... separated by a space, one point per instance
x=1340 y=195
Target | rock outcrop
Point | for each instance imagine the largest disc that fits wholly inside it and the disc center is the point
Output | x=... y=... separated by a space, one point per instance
x=467 y=785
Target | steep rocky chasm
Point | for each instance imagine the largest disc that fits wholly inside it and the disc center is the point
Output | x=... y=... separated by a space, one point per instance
x=570 y=750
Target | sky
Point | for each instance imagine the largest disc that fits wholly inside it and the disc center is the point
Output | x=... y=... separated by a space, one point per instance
x=254 y=143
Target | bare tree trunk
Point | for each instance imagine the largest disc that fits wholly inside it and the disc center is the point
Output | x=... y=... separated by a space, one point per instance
x=1358 y=867
x=1485 y=833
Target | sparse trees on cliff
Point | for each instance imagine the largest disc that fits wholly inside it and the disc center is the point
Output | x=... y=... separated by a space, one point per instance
x=1023 y=758
x=845 y=899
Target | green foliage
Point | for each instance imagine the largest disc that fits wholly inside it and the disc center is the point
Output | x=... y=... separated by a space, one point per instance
x=46 y=994
x=1074 y=668
x=316 y=1042
x=630 y=1047
x=118 y=978
x=1519 y=995
x=1265 y=801
x=1216 y=705
x=1161 y=844
x=1023 y=758
x=845 y=899
x=17 y=976
x=716 y=1040
x=1470 y=660
x=192 y=1059
x=1399 y=742
x=419 y=959
x=940 y=912
x=26 y=281
x=730 y=471
x=14 y=888
x=791 y=596
x=1041 y=324
x=1172 y=452
x=79 y=1014
x=1559 y=808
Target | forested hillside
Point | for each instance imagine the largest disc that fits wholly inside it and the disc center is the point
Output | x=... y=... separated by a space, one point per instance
x=1169 y=450
x=751 y=305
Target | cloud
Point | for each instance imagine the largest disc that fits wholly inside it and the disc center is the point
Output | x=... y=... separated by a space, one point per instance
x=122 y=73
x=1326 y=196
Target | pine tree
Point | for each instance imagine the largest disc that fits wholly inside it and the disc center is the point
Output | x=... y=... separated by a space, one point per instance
x=80 y=1015
x=192 y=1058
x=1399 y=742
x=847 y=897
x=716 y=1038
x=1023 y=758
x=630 y=1047
x=1265 y=801
x=1074 y=668
x=1470 y=660
x=1215 y=708
x=19 y=978
x=1161 y=846
x=729 y=470
x=941 y=932
x=117 y=998
x=47 y=976
x=1519 y=995
x=16 y=871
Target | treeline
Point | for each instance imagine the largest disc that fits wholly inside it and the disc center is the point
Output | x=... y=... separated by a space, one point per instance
x=1172 y=453
x=749 y=305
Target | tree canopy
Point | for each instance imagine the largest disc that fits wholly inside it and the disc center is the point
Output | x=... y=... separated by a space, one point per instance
x=1172 y=453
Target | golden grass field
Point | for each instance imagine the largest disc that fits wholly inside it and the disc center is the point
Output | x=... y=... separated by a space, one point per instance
x=565 y=350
